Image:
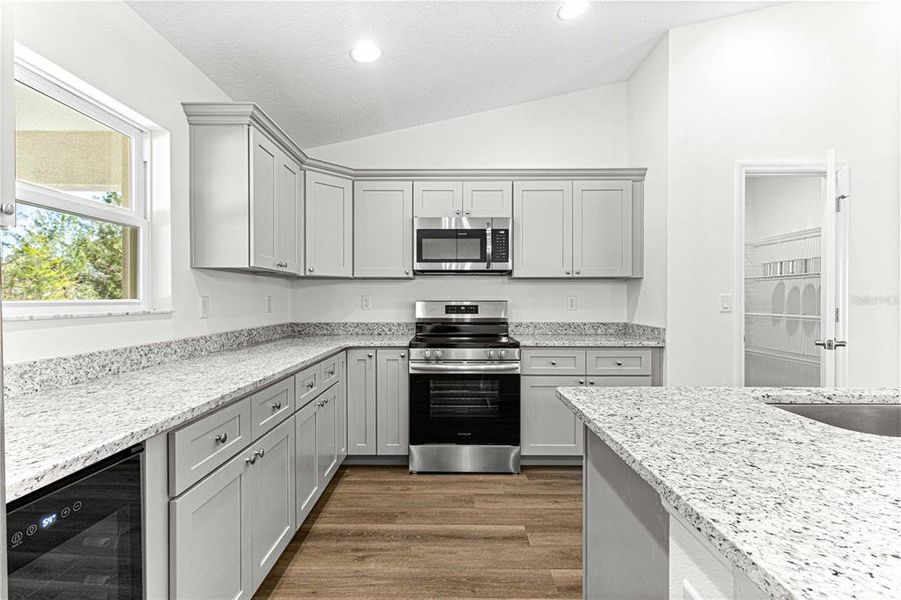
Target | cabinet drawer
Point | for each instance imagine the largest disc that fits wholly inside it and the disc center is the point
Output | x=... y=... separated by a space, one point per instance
x=619 y=381
x=271 y=406
x=307 y=385
x=553 y=362
x=619 y=361
x=199 y=448
x=331 y=370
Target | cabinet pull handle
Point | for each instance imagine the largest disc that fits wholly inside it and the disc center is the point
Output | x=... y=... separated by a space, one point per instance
x=311 y=385
x=619 y=363
x=251 y=460
x=261 y=452
x=330 y=373
x=220 y=438
x=277 y=406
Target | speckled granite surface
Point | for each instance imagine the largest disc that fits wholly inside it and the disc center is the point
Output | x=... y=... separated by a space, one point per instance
x=806 y=510
x=54 y=433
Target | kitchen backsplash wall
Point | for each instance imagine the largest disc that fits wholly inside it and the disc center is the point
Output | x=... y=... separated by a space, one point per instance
x=33 y=376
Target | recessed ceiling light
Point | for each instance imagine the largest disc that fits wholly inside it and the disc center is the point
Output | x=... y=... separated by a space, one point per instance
x=572 y=9
x=365 y=52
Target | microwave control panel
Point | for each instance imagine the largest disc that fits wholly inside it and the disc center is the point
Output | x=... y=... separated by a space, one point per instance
x=500 y=245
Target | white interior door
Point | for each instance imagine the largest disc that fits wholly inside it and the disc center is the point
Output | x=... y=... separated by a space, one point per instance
x=794 y=275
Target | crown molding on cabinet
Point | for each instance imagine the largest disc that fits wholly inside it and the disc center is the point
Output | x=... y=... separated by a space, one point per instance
x=247 y=113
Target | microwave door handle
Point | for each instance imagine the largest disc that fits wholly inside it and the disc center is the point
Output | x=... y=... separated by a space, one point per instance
x=488 y=249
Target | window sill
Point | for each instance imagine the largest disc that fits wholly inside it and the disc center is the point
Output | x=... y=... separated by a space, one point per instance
x=100 y=314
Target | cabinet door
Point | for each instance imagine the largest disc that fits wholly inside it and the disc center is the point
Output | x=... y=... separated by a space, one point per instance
x=361 y=392
x=488 y=198
x=383 y=229
x=602 y=228
x=329 y=225
x=327 y=434
x=341 y=419
x=437 y=198
x=306 y=460
x=210 y=536
x=549 y=428
x=289 y=216
x=542 y=229
x=264 y=159
x=393 y=402
x=272 y=503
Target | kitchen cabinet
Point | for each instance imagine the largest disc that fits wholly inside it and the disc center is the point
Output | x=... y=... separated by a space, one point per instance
x=383 y=229
x=549 y=428
x=246 y=201
x=306 y=460
x=210 y=527
x=488 y=198
x=361 y=393
x=271 y=498
x=229 y=529
x=392 y=401
x=329 y=225
x=577 y=229
x=542 y=229
x=327 y=431
x=437 y=198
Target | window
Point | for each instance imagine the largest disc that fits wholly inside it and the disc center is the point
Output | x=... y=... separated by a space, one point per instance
x=82 y=233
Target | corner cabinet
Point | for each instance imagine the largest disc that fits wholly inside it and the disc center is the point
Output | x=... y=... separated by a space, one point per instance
x=246 y=201
x=383 y=229
x=577 y=229
x=329 y=225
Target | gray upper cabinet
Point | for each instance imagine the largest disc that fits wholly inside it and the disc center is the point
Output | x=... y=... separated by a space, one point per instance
x=246 y=201
x=361 y=391
x=437 y=198
x=329 y=225
x=393 y=402
x=542 y=228
x=602 y=228
x=383 y=229
x=488 y=198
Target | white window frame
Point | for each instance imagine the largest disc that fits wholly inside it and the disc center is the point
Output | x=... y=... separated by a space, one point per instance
x=137 y=216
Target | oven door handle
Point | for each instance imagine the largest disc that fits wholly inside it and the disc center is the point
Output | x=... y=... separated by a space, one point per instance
x=512 y=368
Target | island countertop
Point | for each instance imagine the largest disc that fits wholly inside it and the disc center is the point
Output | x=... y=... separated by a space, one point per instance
x=804 y=509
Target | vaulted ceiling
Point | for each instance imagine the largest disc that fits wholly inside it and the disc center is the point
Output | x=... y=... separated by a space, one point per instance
x=440 y=59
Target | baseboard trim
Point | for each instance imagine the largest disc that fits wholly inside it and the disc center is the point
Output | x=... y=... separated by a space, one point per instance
x=377 y=460
x=551 y=461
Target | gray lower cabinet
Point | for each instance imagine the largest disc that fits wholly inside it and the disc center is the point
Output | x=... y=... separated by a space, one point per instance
x=306 y=459
x=361 y=393
x=327 y=432
x=229 y=529
x=549 y=428
x=392 y=401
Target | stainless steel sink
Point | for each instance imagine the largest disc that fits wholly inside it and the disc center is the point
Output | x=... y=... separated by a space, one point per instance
x=880 y=419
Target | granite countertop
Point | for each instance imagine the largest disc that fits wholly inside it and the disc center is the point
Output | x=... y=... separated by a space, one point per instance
x=804 y=509
x=54 y=433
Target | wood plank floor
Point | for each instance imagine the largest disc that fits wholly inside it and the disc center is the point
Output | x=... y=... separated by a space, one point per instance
x=379 y=532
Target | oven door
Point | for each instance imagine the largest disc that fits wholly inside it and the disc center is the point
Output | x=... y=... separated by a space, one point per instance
x=464 y=408
x=452 y=244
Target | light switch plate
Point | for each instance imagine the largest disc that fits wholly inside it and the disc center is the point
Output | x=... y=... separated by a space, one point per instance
x=725 y=303
x=365 y=302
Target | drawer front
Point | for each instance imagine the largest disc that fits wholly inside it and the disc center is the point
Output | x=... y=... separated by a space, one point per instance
x=271 y=406
x=307 y=385
x=553 y=362
x=619 y=381
x=199 y=448
x=619 y=361
x=331 y=370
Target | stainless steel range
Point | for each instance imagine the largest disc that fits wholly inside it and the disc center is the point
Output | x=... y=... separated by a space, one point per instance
x=464 y=389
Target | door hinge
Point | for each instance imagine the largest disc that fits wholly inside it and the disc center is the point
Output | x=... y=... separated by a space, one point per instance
x=836 y=315
x=838 y=202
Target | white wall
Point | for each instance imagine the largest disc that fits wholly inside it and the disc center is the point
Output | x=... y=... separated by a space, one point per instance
x=648 y=123
x=582 y=129
x=108 y=46
x=783 y=83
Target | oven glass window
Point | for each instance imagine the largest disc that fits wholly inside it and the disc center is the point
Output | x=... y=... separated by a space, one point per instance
x=464 y=399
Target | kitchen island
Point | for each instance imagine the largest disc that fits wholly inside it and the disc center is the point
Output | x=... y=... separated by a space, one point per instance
x=780 y=505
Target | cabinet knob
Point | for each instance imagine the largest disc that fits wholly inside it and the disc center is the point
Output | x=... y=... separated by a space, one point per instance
x=619 y=363
x=221 y=437
x=578 y=271
x=261 y=452
x=567 y=272
x=402 y=355
x=330 y=373
x=251 y=460
x=581 y=382
x=310 y=269
x=554 y=363
x=369 y=355
x=311 y=385
x=277 y=406
x=468 y=212
x=8 y=208
x=406 y=271
x=590 y=382
x=457 y=211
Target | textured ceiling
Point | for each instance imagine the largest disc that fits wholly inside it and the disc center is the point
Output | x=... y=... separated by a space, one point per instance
x=439 y=59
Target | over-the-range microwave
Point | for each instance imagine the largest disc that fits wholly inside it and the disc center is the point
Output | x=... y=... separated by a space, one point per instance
x=462 y=244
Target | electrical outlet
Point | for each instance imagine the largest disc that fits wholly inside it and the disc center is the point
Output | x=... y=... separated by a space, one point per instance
x=725 y=303
x=365 y=302
x=267 y=304
x=204 y=307
x=571 y=303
